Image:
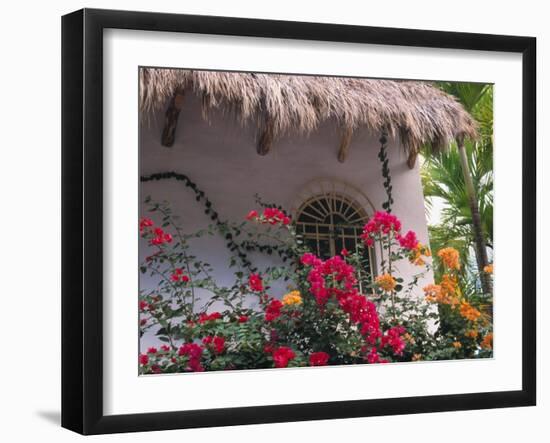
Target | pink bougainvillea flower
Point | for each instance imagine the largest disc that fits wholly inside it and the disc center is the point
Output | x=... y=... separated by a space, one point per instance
x=382 y=223
x=143 y=359
x=318 y=359
x=393 y=338
x=408 y=241
x=242 y=319
x=165 y=348
x=152 y=350
x=252 y=215
x=143 y=305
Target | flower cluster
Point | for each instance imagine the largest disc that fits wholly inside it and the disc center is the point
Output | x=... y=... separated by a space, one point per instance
x=336 y=278
x=469 y=312
x=380 y=223
x=203 y=318
x=333 y=277
x=216 y=343
x=418 y=254
x=255 y=283
x=393 y=338
x=145 y=223
x=194 y=353
x=272 y=216
x=408 y=241
x=157 y=236
x=179 y=276
x=386 y=282
x=273 y=310
x=292 y=298
x=318 y=359
x=450 y=258
x=282 y=355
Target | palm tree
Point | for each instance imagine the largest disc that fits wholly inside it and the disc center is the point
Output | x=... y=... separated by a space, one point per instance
x=463 y=179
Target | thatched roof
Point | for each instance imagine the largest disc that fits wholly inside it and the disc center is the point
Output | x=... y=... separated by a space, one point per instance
x=416 y=111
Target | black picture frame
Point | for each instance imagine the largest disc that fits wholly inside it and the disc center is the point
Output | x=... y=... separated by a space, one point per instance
x=82 y=216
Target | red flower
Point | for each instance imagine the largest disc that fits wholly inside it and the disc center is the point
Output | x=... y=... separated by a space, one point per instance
x=272 y=216
x=333 y=277
x=216 y=342
x=282 y=355
x=203 y=318
x=178 y=275
x=143 y=305
x=165 y=348
x=152 y=350
x=273 y=310
x=252 y=215
x=344 y=252
x=145 y=223
x=219 y=344
x=318 y=359
x=143 y=359
x=242 y=319
x=160 y=237
x=194 y=352
x=156 y=369
x=143 y=322
x=255 y=283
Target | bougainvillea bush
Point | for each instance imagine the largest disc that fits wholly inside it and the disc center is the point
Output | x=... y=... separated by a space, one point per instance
x=325 y=317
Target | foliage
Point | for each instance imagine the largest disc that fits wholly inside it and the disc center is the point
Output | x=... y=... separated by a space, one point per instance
x=443 y=179
x=323 y=319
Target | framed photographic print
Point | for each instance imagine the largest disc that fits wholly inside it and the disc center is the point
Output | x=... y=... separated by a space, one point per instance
x=270 y=221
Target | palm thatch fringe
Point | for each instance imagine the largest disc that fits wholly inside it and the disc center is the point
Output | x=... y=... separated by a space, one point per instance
x=415 y=111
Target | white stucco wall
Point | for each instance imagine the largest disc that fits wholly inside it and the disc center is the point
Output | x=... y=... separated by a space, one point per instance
x=220 y=156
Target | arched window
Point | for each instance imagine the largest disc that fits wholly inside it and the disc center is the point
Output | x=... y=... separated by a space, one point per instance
x=331 y=222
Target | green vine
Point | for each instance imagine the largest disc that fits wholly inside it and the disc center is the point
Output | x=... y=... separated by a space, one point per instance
x=223 y=227
x=383 y=157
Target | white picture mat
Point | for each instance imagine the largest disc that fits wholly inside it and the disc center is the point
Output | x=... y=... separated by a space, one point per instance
x=125 y=392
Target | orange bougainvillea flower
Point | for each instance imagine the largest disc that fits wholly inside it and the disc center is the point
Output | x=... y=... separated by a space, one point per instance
x=457 y=344
x=445 y=293
x=450 y=258
x=386 y=282
x=488 y=269
x=292 y=298
x=472 y=333
x=418 y=254
x=487 y=342
x=468 y=311
x=432 y=293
